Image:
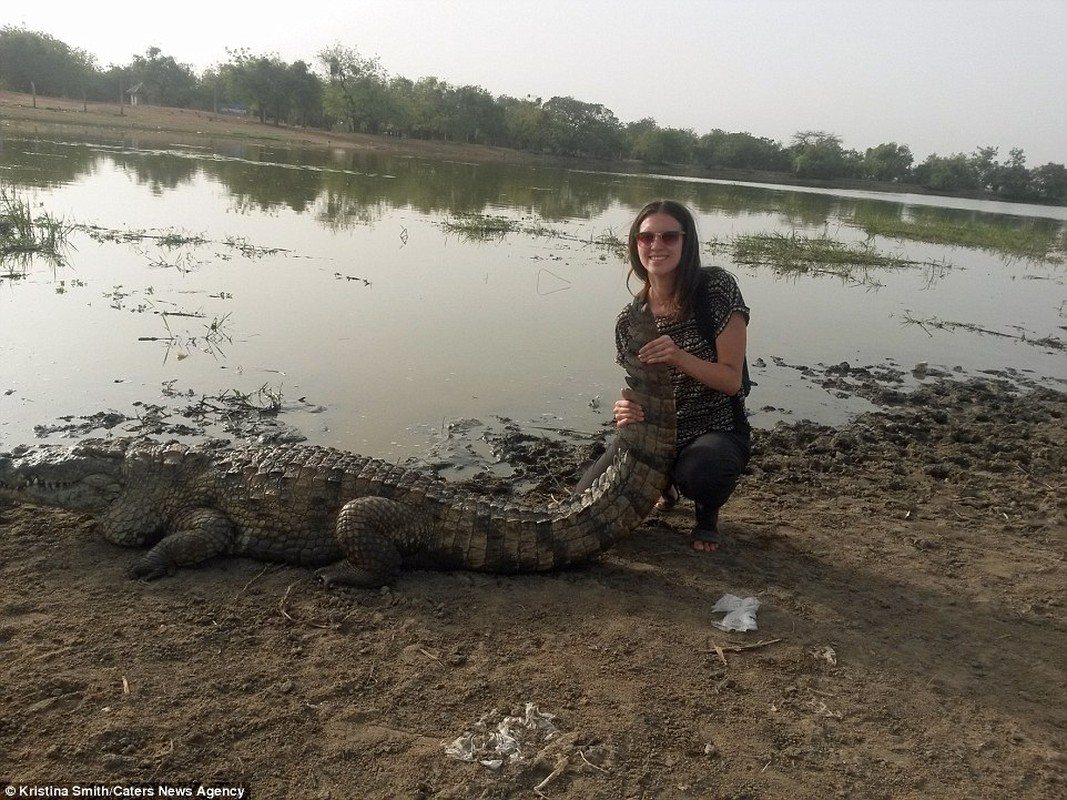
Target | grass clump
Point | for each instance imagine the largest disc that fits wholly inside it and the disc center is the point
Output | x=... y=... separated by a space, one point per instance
x=483 y=227
x=1029 y=241
x=24 y=235
x=610 y=242
x=480 y=227
x=797 y=254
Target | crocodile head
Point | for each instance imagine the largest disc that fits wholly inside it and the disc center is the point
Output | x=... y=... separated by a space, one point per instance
x=87 y=476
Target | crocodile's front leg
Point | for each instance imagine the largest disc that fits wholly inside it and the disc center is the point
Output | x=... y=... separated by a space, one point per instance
x=374 y=533
x=198 y=535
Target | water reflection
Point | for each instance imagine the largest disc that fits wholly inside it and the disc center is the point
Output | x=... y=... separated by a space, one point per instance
x=326 y=274
x=347 y=187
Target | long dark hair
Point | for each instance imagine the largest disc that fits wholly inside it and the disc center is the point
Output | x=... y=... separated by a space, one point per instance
x=689 y=275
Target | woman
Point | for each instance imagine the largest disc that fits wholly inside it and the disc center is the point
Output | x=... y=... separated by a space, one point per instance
x=703 y=320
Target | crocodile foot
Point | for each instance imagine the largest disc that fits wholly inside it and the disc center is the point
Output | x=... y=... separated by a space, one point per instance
x=344 y=573
x=149 y=569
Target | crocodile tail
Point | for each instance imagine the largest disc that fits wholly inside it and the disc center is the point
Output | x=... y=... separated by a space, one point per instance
x=646 y=450
x=589 y=523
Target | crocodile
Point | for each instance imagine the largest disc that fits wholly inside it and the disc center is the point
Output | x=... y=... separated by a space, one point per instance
x=359 y=520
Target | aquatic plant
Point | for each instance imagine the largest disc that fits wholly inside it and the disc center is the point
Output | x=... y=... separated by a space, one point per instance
x=798 y=254
x=1049 y=341
x=1038 y=242
x=24 y=235
x=479 y=227
x=482 y=227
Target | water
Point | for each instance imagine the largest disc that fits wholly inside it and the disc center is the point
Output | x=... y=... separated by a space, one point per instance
x=328 y=279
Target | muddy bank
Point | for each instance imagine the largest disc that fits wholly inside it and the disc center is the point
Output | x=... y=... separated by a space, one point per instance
x=911 y=575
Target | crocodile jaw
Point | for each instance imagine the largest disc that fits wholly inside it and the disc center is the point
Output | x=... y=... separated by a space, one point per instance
x=86 y=477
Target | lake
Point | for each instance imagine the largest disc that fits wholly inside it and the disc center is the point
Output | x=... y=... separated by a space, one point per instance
x=331 y=283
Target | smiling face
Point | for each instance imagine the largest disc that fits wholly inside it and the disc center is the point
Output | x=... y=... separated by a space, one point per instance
x=659 y=244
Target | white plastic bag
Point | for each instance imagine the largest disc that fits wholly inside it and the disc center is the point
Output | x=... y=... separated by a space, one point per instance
x=740 y=613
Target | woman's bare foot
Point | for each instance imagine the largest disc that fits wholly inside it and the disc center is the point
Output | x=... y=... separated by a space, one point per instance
x=705 y=541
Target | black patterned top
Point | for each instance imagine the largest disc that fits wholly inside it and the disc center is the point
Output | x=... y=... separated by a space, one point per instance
x=701 y=409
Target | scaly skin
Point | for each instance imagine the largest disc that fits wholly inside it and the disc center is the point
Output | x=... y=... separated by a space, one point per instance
x=361 y=519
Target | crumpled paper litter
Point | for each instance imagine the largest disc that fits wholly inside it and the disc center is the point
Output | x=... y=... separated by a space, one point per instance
x=495 y=746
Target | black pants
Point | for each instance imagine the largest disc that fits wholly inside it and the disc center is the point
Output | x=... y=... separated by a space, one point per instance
x=706 y=471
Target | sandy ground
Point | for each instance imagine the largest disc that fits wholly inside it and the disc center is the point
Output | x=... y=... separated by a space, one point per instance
x=911 y=643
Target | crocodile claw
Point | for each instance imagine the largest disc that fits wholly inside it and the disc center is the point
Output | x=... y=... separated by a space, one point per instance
x=343 y=573
x=149 y=570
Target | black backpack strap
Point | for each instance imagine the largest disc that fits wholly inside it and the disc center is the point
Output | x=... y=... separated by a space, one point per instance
x=706 y=325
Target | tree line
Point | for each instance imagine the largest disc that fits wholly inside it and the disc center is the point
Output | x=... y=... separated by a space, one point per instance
x=346 y=91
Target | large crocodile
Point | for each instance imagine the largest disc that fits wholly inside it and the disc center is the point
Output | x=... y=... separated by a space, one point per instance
x=360 y=519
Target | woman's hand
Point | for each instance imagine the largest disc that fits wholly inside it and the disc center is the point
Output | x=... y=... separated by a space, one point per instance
x=661 y=350
x=723 y=374
x=627 y=412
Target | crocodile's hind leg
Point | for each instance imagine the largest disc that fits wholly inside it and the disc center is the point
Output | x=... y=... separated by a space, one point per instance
x=198 y=535
x=373 y=533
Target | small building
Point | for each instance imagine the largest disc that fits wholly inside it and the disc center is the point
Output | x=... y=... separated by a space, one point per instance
x=135 y=92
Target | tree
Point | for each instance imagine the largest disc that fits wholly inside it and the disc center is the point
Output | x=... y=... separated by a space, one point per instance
x=401 y=107
x=264 y=81
x=35 y=62
x=818 y=154
x=1049 y=183
x=355 y=93
x=306 y=93
x=720 y=149
x=852 y=163
x=664 y=146
x=577 y=128
x=166 y=82
x=1014 y=177
x=887 y=162
x=431 y=107
x=956 y=173
x=525 y=123
x=633 y=134
x=987 y=168
x=473 y=116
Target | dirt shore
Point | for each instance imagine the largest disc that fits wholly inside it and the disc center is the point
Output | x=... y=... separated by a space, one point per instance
x=20 y=115
x=912 y=631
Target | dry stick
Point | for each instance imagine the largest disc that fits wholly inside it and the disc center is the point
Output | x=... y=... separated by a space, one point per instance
x=252 y=580
x=590 y=763
x=721 y=650
x=281 y=605
x=324 y=625
x=1035 y=480
x=561 y=767
x=428 y=654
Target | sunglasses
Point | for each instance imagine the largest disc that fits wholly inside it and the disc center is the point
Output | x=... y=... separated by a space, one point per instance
x=646 y=238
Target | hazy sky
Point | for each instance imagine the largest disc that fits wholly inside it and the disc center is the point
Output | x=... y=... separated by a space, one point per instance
x=942 y=76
